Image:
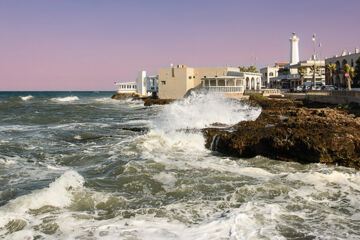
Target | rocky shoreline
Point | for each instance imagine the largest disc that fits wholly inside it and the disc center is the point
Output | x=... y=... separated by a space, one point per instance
x=292 y=131
x=148 y=101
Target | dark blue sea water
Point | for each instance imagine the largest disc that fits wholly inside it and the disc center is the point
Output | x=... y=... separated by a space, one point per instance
x=72 y=167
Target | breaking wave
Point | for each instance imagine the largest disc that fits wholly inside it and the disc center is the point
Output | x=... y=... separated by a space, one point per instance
x=65 y=99
x=26 y=98
x=177 y=127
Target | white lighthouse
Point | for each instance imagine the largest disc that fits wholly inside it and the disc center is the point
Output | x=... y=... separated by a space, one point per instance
x=294 y=49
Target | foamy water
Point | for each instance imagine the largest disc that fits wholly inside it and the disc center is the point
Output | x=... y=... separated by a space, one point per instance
x=71 y=171
x=65 y=99
x=26 y=98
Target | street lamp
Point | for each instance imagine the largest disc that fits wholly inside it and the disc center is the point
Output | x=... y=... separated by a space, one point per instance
x=314 y=58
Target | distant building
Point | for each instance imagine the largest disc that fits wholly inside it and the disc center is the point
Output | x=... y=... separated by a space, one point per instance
x=267 y=73
x=338 y=79
x=294 y=49
x=141 y=83
x=175 y=82
x=126 y=87
x=296 y=72
x=144 y=85
x=152 y=85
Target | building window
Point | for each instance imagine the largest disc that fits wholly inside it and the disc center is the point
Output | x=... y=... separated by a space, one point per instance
x=271 y=74
x=193 y=76
x=189 y=77
x=173 y=72
x=163 y=82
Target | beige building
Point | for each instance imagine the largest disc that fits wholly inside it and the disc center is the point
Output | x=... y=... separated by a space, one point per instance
x=338 y=78
x=174 y=82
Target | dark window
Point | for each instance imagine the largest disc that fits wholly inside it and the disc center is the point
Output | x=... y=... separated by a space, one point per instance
x=173 y=72
x=189 y=77
x=271 y=74
x=163 y=82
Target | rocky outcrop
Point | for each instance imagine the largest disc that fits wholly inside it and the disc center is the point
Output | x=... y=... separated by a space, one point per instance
x=150 y=101
x=124 y=96
x=286 y=130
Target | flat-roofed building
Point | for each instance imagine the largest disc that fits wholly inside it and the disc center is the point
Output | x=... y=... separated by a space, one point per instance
x=338 y=77
x=126 y=87
x=175 y=82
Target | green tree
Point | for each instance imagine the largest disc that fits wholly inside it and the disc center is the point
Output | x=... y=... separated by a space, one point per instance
x=331 y=68
x=349 y=72
x=251 y=69
x=357 y=72
x=243 y=69
x=302 y=72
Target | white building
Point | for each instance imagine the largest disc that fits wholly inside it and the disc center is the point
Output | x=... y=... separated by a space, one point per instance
x=294 y=49
x=268 y=73
x=126 y=87
x=233 y=82
x=144 y=85
x=141 y=83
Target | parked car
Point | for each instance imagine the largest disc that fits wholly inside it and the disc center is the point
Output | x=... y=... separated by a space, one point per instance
x=328 y=88
x=299 y=89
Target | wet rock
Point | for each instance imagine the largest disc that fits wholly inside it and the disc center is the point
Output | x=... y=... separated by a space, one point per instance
x=124 y=96
x=287 y=131
x=217 y=124
x=135 y=129
x=150 y=101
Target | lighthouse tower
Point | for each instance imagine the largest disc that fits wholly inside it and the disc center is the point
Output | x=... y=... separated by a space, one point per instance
x=294 y=49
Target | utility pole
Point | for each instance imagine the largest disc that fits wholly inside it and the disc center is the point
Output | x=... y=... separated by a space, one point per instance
x=314 y=58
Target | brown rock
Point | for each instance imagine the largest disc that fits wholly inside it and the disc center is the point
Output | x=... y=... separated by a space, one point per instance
x=149 y=102
x=124 y=96
x=286 y=131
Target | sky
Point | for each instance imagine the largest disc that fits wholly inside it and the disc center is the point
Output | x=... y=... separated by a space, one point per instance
x=88 y=45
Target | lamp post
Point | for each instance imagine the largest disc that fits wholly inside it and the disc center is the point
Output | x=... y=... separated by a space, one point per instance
x=314 y=75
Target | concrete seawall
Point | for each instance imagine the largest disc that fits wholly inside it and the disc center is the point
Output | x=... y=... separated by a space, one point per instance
x=331 y=97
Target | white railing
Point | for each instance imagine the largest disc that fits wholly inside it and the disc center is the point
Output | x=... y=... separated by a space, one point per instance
x=225 y=89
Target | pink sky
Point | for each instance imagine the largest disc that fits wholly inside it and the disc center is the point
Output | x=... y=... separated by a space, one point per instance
x=88 y=44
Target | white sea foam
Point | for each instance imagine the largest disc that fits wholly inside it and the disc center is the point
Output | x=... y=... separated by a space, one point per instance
x=77 y=137
x=58 y=194
x=201 y=110
x=176 y=129
x=65 y=99
x=107 y=100
x=26 y=98
x=167 y=179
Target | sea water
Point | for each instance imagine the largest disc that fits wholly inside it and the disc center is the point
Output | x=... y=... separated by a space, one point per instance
x=71 y=168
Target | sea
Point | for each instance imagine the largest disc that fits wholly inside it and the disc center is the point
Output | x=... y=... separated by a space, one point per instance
x=80 y=165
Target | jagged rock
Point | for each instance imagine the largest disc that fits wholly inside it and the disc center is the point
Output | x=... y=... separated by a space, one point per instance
x=286 y=131
x=150 y=101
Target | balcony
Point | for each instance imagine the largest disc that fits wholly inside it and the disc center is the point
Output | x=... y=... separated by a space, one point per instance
x=224 y=89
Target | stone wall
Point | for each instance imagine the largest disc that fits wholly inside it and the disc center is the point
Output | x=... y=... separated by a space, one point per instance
x=331 y=97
